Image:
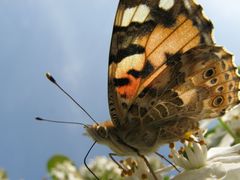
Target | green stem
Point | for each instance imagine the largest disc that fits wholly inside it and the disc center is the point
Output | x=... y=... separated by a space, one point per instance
x=228 y=129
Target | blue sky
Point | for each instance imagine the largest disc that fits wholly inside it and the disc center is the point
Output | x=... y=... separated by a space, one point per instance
x=70 y=39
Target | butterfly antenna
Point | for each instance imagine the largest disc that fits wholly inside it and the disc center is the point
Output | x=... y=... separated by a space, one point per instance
x=85 y=161
x=60 y=122
x=50 y=78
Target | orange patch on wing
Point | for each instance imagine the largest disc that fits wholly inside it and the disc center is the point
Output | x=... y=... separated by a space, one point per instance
x=129 y=91
x=176 y=41
x=160 y=34
x=193 y=43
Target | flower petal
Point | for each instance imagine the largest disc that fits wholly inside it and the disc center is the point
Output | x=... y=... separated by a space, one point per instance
x=179 y=160
x=212 y=171
x=223 y=151
x=227 y=140
x=233 y=171
x=193 y=157
x=200 y=153
x=227 y=159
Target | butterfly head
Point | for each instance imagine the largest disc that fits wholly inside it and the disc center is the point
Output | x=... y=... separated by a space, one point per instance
x=106 y=133
x=101 y=132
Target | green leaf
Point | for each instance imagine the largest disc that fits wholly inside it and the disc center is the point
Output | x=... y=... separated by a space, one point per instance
x=3 y=175
x=166 y=178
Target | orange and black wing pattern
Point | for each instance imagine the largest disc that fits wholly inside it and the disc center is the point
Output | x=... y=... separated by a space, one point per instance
x=147 y=34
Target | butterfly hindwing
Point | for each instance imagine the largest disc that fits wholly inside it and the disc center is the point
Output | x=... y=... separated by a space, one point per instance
x=147 y=34
x=202 y=83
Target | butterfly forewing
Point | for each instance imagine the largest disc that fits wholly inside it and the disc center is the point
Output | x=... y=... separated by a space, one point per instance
x=147 y=36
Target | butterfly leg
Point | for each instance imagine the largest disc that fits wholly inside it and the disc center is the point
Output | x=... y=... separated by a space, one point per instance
x=141 y=156
x=129 y=172
x=129 y=161
x=85 y=161
x=148 y=165
x=114 y=160
x=161 y=156
x=124 y=171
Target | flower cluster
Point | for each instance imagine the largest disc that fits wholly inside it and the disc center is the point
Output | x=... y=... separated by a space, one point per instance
x=61 y=168
x=135 y=168
x=199 y=163
x=103 y=168
x=195 y=159
x=213 y=156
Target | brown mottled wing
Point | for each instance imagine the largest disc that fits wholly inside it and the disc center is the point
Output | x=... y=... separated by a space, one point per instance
x=198 y=84
x=146 y=34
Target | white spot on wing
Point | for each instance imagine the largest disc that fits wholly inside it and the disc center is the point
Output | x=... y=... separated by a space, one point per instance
x=127 y=16
x=187 y=4
x=166 y=4
x=141 y=13
x=135 y=61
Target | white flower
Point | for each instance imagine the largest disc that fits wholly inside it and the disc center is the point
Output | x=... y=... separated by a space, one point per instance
x=102 y=167
x=228 y=132
x=65 y=170
x=235 y=126
x=234 y=114
x=217 y=163
x=137 y=168
x=219 y=138
x=232 y=119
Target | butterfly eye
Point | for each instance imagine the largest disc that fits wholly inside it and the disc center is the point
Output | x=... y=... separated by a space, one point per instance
x=208 y=73
x=102 y=131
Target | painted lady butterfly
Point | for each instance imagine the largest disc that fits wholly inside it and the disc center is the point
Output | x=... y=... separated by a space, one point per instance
x=165 y=75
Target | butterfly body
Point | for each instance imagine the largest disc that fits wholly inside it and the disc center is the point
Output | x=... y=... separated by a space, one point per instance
x=130 y=142
x=125 y=142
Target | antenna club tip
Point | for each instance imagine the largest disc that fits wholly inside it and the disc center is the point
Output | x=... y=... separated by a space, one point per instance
x=50 y=77
x=38 y=118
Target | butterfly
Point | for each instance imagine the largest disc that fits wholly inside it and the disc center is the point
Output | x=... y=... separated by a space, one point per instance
x=165 y=75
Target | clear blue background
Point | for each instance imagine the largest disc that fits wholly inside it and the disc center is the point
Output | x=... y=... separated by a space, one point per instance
x=69 y=38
